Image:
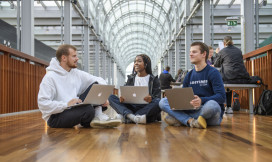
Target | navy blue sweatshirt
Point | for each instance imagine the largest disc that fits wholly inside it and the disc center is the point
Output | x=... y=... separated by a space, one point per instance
x=207 y=84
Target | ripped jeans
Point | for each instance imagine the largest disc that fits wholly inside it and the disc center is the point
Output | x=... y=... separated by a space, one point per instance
x=211 y=111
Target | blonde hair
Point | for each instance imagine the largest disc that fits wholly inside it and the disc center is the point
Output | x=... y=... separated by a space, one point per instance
x=228 y=40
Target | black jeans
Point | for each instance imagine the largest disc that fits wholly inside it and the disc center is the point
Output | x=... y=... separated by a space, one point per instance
x=77 y=115
x=151 y=110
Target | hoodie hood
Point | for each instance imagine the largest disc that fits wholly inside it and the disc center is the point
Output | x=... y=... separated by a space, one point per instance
x=55 y=67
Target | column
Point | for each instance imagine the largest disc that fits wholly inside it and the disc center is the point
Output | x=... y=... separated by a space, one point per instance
x=177 y=55
x=86 y=59
x=104 y=64
x=247 y=26
x=206 y=21
x=27 y=39
x=97 y=57
x=67 y=22
x=187 y=37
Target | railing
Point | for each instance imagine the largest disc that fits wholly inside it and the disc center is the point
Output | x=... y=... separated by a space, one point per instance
x=20 y=77
x=261 y=66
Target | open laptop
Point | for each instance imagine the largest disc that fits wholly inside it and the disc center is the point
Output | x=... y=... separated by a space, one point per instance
x=134 y=94
x=97 y=95
x=180 y=98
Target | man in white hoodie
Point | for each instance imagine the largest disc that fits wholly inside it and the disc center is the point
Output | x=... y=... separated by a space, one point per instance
x=64 y=86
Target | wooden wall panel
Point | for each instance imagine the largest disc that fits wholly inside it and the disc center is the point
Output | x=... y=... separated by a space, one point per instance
x=19 y=84
x=263 y=68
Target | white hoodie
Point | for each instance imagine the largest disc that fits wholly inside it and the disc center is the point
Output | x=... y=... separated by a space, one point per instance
x=59 y=86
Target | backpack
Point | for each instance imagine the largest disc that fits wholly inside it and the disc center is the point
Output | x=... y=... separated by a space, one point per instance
x=264 y=106
x=235 y=103
x=255 y=80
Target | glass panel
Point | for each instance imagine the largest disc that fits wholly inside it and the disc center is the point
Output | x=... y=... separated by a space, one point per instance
x=50 y=3
x=156 y=13
x=107 y=6
x=159 y=2
x=166 y=6
x=112 y=19
x=117 y=13
x=114 y=2
x=125 y=8
x=132 y=6
x=91 y=5
x=140 y=5
x=148 y=8
x=224 y=1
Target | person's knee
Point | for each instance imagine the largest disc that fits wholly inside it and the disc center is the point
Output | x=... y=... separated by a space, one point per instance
x=162 y=103
x=89 y=111
x=212 y=106
x=156 y=100
x=112 y=98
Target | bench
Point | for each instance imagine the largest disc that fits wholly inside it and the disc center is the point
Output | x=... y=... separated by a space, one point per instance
x=241 y=87
x=238 y=87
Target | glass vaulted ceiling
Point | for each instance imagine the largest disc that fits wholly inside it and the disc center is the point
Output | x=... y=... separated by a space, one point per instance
x=132 y=27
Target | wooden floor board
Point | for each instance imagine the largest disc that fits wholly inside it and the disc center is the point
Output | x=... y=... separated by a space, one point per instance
x=241 y=137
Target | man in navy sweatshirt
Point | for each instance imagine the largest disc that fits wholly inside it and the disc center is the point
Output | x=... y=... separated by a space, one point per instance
x=209 y=92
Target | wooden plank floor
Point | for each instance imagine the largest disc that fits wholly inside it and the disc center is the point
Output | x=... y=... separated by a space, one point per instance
x=241 y=137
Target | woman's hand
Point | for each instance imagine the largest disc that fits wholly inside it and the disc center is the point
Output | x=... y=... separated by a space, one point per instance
x=106 y=104
x=148 y=98
x=121 y=99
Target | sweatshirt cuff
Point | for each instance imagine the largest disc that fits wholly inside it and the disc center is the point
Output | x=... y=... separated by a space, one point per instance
x=203 y=100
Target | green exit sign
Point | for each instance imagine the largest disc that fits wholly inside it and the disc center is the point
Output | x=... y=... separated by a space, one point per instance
x=232 y=23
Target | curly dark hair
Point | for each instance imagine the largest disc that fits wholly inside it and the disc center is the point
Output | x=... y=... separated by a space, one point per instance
x=147 y=63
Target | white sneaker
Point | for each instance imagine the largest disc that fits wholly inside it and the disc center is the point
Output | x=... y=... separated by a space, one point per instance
x=110 y=123
x=102 y=116
x=229 y=110
x=99 y=114
x=140 y=119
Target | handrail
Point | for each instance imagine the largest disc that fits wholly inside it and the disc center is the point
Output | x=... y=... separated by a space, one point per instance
x=7 y=50
x=258 y=52
x=259 y=66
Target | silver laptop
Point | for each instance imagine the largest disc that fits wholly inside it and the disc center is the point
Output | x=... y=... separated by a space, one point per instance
x=134 y=94
x=97 y=95
x=180 y=98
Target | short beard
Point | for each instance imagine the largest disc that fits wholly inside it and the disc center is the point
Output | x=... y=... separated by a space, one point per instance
x=71 y=66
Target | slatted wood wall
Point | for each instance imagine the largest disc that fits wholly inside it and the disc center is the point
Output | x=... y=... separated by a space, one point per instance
x=19 y=84
x=261 y=67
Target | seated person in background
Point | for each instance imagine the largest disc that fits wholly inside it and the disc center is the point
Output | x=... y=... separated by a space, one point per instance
x=179 y=74
x=64 y=86
x=141 y=76
x=166 y=78
x=210 y=58
x=232 y=68
x=209 y=91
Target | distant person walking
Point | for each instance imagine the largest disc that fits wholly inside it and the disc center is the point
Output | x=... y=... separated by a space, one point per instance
x=166 y=78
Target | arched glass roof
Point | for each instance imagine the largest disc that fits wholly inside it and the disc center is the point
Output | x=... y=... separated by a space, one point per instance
x=131 y=27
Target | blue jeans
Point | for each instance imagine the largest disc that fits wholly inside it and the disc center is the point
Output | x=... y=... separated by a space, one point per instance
x=151 y=110
x=211 y=111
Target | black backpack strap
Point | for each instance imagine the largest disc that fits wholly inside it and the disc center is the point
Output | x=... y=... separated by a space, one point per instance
x=258 y=106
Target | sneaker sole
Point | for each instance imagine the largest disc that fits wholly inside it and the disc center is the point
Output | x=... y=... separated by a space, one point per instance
x=202 y=122
x=174 y=122
x=105 y=124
